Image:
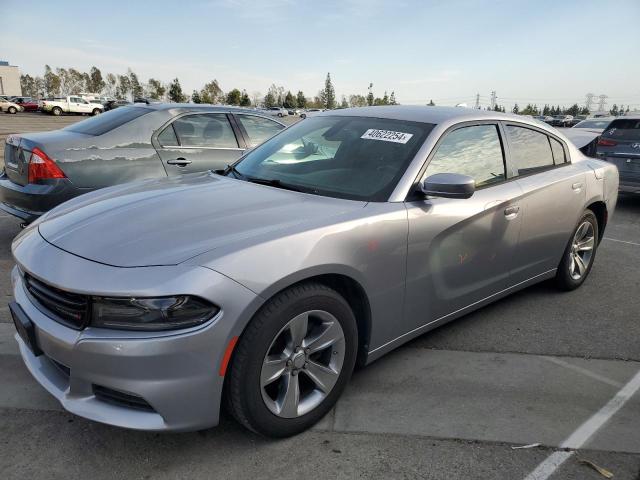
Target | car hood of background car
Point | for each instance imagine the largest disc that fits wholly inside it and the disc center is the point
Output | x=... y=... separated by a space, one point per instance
x=169 y=221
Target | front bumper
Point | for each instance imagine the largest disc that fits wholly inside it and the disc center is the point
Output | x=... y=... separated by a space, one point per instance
x=175 y=372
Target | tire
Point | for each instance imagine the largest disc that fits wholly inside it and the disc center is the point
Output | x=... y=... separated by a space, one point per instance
x=280 y=115
x=256 y=397
x=96 y=111
x=303 y=116
x=576 y=262
x=12 y=110
x=57 y=111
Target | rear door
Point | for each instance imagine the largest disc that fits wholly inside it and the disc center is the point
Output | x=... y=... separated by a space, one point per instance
x=553 y=198
x=196 y=142
x=620 y=145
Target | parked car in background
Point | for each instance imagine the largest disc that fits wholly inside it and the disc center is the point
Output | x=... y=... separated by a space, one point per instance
x=130 y=143
x=71 y=104
x=310 y=112
x=561 y=121
x=111 y=104
x=619 y=144
x=8 y=106
x=28 y=104
x=575 y=120
x=146 y=305
x=595 y=125
x=277 y=111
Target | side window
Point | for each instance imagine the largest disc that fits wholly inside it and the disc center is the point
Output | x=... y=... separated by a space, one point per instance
x=559 y=157
x=167 y=137
x=474 y=151
x=205 y=130
x=259 y=129
x=529 y=149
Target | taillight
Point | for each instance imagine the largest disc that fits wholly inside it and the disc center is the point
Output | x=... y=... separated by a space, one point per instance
x=603 y=142
x=41 y=167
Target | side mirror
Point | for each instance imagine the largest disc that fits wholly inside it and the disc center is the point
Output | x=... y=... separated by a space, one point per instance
x=448 y=185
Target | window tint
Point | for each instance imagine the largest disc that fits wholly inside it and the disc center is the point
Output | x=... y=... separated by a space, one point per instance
x=259 y=129
x=473 y=151
x=167 y=137
x=107 y=121
x=559 y=156
x=529 y=149
x=205 y=130
x=624 y=129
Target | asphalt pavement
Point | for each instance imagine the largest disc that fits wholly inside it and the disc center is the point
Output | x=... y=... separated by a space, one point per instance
x=539 y=367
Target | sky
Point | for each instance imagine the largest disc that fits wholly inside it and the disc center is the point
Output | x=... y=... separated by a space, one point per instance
x=536 y=51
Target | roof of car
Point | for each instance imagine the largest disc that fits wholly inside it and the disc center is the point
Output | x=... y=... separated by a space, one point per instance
x=196 y=106
x=426 y=114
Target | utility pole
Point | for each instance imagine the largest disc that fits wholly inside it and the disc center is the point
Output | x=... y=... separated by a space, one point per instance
x=477 y=105
x=602 y=102
x=493 y=99
x=589 y=101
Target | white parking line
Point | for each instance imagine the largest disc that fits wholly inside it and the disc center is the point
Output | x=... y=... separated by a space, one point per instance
x=621 y=241
x=585 y=431
x=583 y=371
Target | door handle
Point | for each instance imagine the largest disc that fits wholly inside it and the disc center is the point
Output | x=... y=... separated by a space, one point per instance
x=577 y=186
x=511 y=212
x=181 y=162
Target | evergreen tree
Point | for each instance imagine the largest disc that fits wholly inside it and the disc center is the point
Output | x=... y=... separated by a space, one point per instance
x=370 y=97
x=195 y=97
x=175 y=91
x=269 y=100
x=289 y=100
x=136 y=88
x=301 y=100
x=614 y=110
x=96 y=82
x=211 y=92
x=156 y=91
x=392 y=99
x=234 y=97
x=431 y=104
x=245 y=101
x=516 y=109
x=344 y=103
x=329 y=93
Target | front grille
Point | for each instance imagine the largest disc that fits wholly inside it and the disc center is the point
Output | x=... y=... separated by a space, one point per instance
x=70 y=309
x=121 y=399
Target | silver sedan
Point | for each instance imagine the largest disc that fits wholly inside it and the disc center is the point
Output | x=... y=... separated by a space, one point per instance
x=147 y=305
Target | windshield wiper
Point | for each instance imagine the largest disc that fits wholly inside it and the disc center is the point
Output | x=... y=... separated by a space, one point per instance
x=231 y=168
x=274 y=182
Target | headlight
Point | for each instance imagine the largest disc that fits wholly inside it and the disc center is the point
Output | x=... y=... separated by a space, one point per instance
x=163 y=313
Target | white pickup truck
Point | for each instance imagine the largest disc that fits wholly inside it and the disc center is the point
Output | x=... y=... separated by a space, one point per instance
x=72 y=104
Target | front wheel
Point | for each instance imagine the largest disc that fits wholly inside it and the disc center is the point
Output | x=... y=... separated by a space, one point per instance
x=57 y=111
x=293 y=361
x=96 y=111
x=12 y=110
x=580 y=253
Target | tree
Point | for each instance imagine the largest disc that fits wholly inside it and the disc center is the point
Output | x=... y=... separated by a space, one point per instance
x=344 y=103
x=289 y=100
x=51 y=82
x=269 y=100
x=195 y=97
x=27 y=85
x=124 y=87
x=431 y=104
x=392 y=99
x=275 y=93
x=111 y=85
x=370 y=97
x=329 y=93
x=96 y=81
x=245 y=101
x=255 y=98
x=136 y=88
x=614 y=110
x=357 y=101
x=573 y=110
x=301 y=100
x=211 y=92
x=546 y=110
x=175 y=91
x=155 y=89
x=516 y=109
x=233 y=97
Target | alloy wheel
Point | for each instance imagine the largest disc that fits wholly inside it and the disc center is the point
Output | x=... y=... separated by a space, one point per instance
x=302 y=364
x=581 y=251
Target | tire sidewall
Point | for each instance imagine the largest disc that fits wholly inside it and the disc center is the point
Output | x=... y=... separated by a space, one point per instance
x=259 y=416
x=564 y=278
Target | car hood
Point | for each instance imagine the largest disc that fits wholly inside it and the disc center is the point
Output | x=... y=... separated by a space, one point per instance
x=166 y=222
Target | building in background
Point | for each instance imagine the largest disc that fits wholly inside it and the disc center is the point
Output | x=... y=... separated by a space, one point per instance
x=9 y=79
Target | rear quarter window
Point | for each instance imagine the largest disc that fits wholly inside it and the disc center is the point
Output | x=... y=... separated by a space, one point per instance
x=106 y=122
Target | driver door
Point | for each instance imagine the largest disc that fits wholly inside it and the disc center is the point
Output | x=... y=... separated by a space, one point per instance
x=460 y=251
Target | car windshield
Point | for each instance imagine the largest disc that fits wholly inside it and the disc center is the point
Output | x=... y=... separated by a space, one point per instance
x=359 y=158
x=593 y=124
x=624 y=129
x=106 y=122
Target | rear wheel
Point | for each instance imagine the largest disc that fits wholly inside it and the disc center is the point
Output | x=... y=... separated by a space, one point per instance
x=57 y=111
x=293 y=361
x=96 y=111
x=12 y=110
x=580 y=253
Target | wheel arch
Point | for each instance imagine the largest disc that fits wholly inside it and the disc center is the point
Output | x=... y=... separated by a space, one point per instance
x=599 y=208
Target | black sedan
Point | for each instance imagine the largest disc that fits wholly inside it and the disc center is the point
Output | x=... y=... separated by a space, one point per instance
x=130 y=143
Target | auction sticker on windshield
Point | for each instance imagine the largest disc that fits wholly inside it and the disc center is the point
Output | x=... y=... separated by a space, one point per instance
x=387 y=135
